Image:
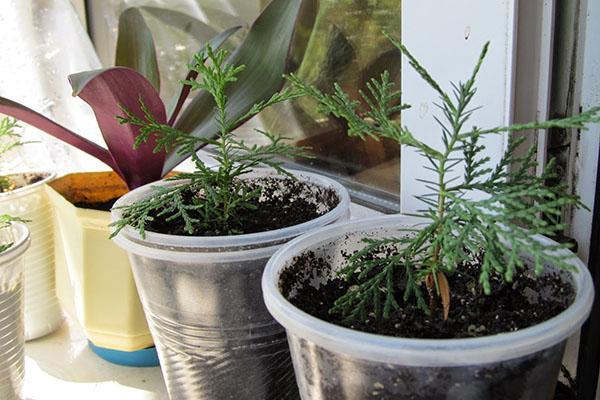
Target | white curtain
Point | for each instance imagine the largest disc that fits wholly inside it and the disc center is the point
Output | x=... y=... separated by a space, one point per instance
x=174 y=39
x=41 y=42
x=104 y=17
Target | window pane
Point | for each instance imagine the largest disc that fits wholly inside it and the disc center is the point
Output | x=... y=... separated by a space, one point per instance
x=173 y=23
x=342 y=41
x=335 y=41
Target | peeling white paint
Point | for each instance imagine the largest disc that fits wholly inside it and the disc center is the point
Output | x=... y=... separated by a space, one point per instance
x=587 y=159
x=441 y=46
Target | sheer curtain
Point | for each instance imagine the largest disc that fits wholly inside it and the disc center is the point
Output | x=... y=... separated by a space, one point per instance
x=104 y=19
x=41 y=42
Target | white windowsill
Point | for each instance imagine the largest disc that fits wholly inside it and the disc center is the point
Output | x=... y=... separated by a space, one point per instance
x=61 y=365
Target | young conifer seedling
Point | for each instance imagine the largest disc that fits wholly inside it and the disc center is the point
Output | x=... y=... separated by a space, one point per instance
x=5 y=221
x=208 y=198
x=456 y=228
x=9 y=139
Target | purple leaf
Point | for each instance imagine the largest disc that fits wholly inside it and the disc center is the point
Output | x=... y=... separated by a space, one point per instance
x=106 y=91
x=33 y=118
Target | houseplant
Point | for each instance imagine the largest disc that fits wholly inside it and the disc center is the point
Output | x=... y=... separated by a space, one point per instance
x=342 y=43
x=198 y=244
x=14 y=241
x=106 y=302
x=22 y=195
x=459 y=301
x=106 y=91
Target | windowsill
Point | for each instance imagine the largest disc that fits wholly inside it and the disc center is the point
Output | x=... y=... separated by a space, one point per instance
x=61 y=364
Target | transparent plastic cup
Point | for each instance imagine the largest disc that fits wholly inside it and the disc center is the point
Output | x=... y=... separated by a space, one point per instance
x=332 y=362
x=43 y=313
x=202 y=298
x=12 y=332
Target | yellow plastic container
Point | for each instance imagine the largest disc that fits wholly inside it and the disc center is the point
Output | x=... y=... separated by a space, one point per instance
x=43 y=313
x=106 y=299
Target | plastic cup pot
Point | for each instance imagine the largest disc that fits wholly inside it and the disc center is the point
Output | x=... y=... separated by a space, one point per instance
x=97 y=286
x=332 y=362
x=12 y=331
x=43 y=313
x=202 y=297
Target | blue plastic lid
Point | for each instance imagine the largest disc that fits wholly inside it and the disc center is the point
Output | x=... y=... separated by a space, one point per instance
x=139 y=358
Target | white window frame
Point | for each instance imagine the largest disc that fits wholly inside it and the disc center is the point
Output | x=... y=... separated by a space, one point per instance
x=588 y=93
x=513 y=85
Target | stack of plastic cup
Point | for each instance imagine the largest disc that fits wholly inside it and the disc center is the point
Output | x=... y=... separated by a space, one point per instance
x=42 y=310
x=12 y=339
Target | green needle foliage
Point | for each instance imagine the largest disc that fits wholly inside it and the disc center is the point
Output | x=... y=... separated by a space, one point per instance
x=9 y=139
x=9 y=136
x=456 y=227
x=5 y=221
x=208 y=197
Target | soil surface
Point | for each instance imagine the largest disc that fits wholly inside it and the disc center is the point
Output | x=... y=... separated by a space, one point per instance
x=97 y=205
x=283 y=202
x=564 y=392
x=19 y=181
x=526 y=302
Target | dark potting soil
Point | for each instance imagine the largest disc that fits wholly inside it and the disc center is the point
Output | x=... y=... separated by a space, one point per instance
x=34 y=178
x=283 y=202
x=564 y=392
x=526 y=302
x=19 y=181
x=97 y=205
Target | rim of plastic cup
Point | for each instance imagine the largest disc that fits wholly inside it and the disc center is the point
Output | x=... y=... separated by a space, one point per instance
x=43 y=210
x=163 y=245
x=48 y=176
x=42 y=213
x=410 y=351
x=20 y=244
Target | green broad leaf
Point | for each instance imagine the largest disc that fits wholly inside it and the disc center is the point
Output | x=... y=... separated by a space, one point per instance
x=177 y=36
x=184 y=90
x=135 y=46
x=264 y=53
x=184 y=23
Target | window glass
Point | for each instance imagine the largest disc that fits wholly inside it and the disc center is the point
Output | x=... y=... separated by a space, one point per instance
x=335 y=41
x=342 y=41
x=173 y=23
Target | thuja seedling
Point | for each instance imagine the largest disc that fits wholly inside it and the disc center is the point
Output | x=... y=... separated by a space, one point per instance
x=9 y=139
x=216 y=192
x=5 y=221
x=457 y=227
